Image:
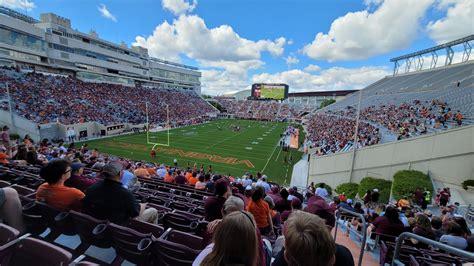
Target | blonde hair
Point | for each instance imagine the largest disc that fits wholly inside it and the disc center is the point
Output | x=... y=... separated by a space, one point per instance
x=308 y=241
x=235 y=241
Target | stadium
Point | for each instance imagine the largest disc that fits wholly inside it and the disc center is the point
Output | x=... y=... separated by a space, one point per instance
x=111 y=155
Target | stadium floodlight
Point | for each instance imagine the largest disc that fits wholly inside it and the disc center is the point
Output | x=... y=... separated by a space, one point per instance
x=148 y=128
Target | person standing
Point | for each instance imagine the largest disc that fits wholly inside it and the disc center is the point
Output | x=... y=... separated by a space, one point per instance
x=444 y=196
x=5 y=138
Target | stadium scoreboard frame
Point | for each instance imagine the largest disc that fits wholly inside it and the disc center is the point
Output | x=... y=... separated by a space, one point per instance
x=270 y=91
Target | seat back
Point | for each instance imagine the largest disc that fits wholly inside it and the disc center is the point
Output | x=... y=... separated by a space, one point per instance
x=31 y=251
x=91 y=230
x=7 y=234
x=126 y=240
x=180 y=222
x=145 y=228
x=177 y=248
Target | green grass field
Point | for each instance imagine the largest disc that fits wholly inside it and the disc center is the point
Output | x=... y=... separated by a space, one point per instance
x=273 y=93
x=252 y=149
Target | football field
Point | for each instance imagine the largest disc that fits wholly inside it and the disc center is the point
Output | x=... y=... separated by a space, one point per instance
x=254 y=148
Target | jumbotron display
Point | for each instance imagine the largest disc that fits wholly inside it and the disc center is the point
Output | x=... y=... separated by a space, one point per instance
x=270 y=91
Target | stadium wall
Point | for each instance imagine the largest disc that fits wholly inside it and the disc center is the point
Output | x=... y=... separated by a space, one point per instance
x=448 y=157
x=19 y=125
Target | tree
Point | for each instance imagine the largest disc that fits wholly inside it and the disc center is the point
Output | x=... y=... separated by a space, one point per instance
x=327 y=102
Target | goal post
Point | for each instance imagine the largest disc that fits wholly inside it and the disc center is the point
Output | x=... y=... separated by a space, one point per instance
x=158 y=132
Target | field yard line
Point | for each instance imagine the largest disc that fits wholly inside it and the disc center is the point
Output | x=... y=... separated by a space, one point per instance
x=276 y=146
x=224 y=140
x=278 y=155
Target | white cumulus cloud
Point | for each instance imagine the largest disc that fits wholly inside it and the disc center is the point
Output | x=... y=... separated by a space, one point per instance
x=459 y=21
x=336 y=78
x=291 y=60
x=178 y=7
x=106 y=13
x=312 y=68
x=393 y=25
x=19 y=4
x=189 y=35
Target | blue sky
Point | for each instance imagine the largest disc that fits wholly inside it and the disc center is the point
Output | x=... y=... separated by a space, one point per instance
x=309 y=44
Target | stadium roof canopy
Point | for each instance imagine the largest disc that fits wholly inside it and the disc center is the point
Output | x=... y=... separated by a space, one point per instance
x=417 y=60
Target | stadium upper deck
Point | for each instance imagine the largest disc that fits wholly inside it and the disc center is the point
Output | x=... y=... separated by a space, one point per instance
x=51 y=45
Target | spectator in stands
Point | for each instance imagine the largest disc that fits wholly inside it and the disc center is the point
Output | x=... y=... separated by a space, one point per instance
x=321 y=191
x=129 y=180
x=317 y=249
x=237 y=225
x=423 y=228
x=5 y=138
x=454 y=235
x=375 y=195
x=210 y=186
x=297 y=194
x=109 y=200
x=169 y=177
x=3 y=155
x=284 y=204
x=53 y=191
x=436 y=225
x=200 y=184
x=193 y=179
x=161 y=171
x=444 y=196
x=295 y=205
x=261 y=211
x=466 y=232
x=213 y=205
x=77 y=179
x=141 y=171
x=367 y=198
x=10 y=209
x=388 y=224
x=262 y=182
x=179 y=178
x=346 y=205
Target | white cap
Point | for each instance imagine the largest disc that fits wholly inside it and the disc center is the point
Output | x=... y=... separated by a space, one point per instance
x=249 y=187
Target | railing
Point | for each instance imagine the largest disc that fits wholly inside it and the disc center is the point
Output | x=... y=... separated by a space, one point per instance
x=364 y=229
x=406 y=235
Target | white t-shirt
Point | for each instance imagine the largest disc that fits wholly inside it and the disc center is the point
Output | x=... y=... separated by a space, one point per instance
x=322 y=192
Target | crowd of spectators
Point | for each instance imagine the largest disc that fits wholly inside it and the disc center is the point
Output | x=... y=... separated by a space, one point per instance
x=258 y=110
x=333 y=133
x=45 y=99
x=409 y=119
x=269 y=220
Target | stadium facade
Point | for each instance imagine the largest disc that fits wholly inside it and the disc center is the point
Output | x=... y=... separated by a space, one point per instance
x=315 y=98
x=51 y=45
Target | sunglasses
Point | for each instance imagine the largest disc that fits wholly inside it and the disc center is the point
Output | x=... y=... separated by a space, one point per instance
x=67 y=171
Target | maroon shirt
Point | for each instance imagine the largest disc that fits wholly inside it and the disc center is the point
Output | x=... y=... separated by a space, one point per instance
x=384 y=226
x=180 y=179
x=80 y=182
x=213 y=207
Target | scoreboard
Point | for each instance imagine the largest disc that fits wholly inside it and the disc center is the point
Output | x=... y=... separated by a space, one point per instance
x=270 y=91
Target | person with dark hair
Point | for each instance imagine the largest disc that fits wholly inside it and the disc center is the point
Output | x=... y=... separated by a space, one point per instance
x=465 y=229
x=284 y=204
x=367 y=198
x=423 y=228
x=261 y=211
x=213 y=205
x=109 y=200
x=436 y=225
x=53 y=191
x=200 y=184
x=77 y=179
x=454 y=235
x=388 y=224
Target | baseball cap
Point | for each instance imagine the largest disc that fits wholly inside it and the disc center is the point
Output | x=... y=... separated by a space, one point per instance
x=296 y=203
x=349 y=201
x=112 y=169
x=77 y=166
x=249 y=187
x=221 y=186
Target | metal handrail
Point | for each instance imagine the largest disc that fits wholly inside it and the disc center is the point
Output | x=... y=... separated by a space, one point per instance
x=450 y=249
x=364 y=230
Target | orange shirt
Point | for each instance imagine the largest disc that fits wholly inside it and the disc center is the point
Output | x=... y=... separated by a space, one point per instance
x=3 y=158
x=192 y=181
x=169 y=178
x=260 y=211
x=60 y=197
x=188 y=176
x=141 y=172
x=151 y=171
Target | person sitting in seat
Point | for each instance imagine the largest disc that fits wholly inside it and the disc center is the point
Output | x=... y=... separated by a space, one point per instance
x=109 y=200
x=53 y=191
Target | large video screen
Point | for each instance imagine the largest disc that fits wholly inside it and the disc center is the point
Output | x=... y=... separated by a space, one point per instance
x=270 y=91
